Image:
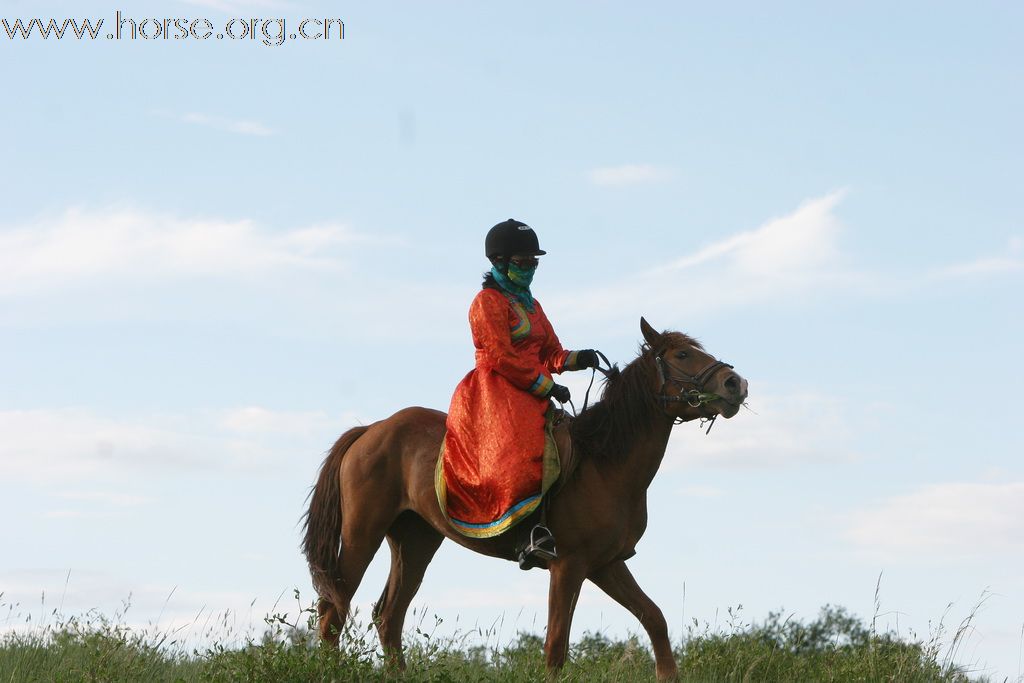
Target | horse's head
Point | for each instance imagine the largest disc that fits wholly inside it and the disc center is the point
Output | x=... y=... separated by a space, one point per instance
x=690 y=382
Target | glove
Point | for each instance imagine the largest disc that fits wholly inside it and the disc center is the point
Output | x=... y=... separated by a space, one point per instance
x=559 y=393
x=586 y=359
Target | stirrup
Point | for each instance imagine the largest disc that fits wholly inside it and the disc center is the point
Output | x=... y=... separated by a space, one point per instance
x=541 y=546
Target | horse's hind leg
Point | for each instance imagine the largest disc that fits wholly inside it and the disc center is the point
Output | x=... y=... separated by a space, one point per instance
x=355 y=558
x=330 y=622
x=361 y=538
x=413 y=544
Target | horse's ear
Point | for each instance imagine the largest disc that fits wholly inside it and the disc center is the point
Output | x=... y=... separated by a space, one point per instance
x=651 y=335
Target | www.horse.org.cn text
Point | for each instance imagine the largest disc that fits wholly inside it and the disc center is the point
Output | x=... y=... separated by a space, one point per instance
x=270 y=32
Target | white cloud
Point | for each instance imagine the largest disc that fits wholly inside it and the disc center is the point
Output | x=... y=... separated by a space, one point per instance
x=1010 y=260
x=257 y=420
x=82 y=245
x=794 y=255
x=805 y=240
x=628 y=174
x=239 y=126
x=94 y=504
x=985 y=266
x=948 y=520
x=797 y=429
x=43 y=444
x=62 y=445
x=63 y=514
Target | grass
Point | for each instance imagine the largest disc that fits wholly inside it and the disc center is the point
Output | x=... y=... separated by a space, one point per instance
x=835 y=646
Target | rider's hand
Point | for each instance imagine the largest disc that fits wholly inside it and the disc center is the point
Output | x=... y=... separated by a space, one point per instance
x=559 y=393
x=586 y=359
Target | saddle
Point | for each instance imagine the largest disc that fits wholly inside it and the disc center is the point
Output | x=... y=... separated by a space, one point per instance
x=561 y=432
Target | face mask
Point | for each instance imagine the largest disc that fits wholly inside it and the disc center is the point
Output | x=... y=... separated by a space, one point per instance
x=521 y=276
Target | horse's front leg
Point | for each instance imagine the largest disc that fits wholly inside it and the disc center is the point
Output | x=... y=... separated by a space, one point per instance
x=564 y=589
x=617 y=581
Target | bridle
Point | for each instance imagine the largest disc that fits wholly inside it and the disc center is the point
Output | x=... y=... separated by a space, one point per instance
x=695 y=397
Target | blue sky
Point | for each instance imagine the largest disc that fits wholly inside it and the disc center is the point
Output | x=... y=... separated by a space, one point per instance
x=216 y=256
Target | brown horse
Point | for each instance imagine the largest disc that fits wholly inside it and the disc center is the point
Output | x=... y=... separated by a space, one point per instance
x=377 y=482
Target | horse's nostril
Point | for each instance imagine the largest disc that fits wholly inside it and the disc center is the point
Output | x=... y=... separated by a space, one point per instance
x=733 y=384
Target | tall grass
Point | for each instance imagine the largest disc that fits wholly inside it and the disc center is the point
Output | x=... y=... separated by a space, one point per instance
x=835 y=646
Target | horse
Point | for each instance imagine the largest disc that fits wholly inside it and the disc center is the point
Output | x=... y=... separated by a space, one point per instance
x=377 y=482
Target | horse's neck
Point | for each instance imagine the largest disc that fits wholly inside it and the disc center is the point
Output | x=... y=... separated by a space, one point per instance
x=646 y=454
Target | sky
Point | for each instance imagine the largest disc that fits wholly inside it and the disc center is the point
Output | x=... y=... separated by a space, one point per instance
x=218 y=255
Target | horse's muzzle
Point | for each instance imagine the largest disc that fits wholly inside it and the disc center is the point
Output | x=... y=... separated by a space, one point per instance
x=735 y=388
x=733 y=393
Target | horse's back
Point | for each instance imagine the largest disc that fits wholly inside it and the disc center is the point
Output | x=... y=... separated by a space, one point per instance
x=415 y=417
x=396 y=456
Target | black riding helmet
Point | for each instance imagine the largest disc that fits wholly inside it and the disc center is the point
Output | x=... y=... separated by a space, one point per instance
x=512 y=238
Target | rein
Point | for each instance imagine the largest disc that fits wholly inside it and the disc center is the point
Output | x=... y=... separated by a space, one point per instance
x=593 y=373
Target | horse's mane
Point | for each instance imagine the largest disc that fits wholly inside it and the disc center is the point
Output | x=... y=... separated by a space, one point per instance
x=606 y=430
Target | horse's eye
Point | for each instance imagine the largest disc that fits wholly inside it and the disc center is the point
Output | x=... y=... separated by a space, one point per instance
x=681 y=355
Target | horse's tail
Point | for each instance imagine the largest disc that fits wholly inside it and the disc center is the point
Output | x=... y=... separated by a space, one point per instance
x=322 y=542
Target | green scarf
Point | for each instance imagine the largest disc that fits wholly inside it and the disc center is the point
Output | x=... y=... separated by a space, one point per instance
x=522 y=294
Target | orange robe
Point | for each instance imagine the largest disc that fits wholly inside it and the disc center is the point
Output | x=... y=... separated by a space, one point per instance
x=492 y=463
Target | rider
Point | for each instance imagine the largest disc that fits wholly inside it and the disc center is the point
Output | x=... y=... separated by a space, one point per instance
x=496 y=423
